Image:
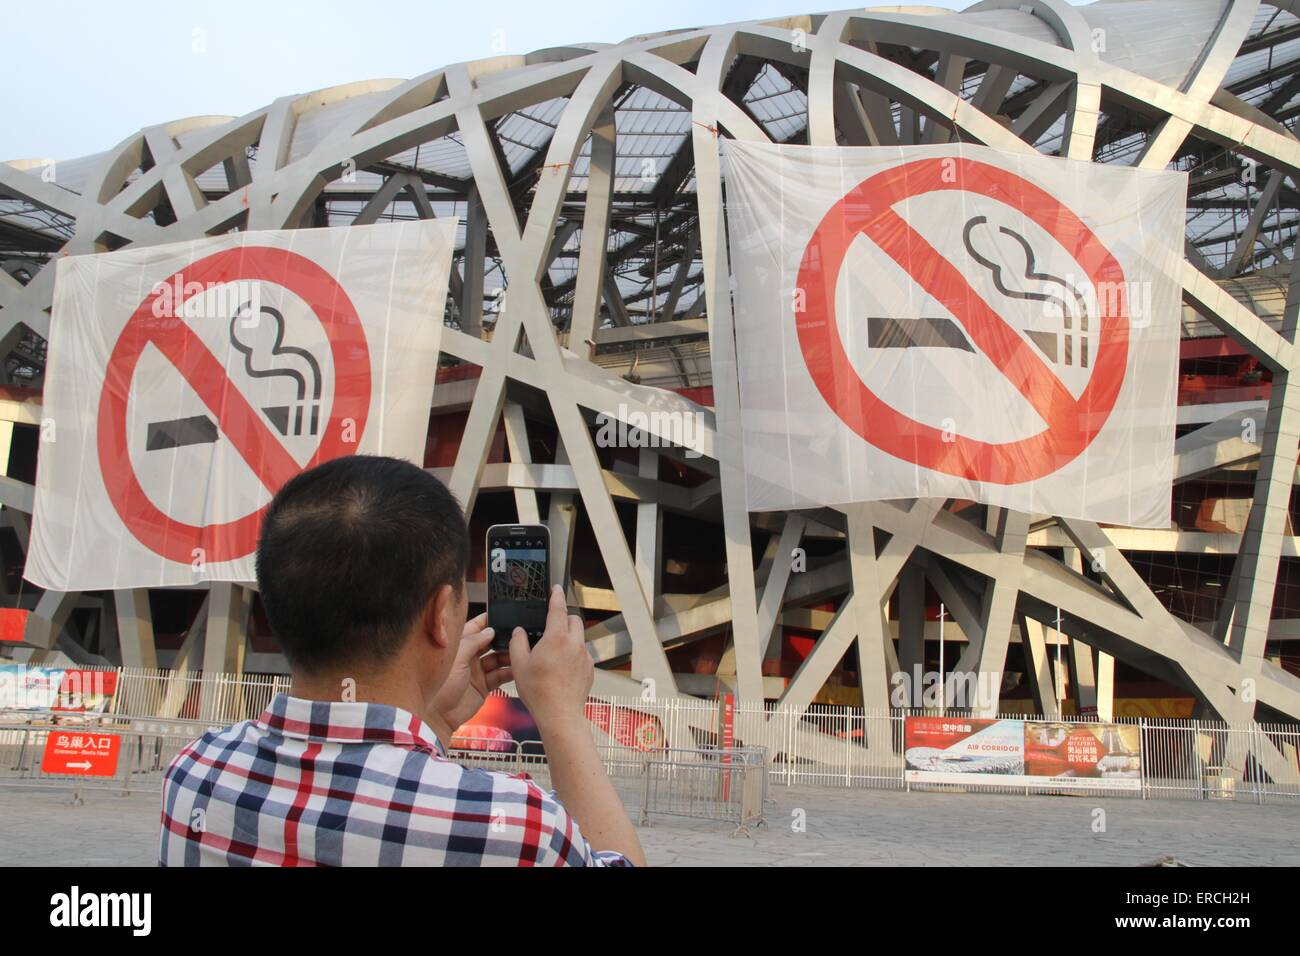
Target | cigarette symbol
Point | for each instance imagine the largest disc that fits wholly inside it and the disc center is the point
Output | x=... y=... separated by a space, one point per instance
x=303 y=413
x=885 y=332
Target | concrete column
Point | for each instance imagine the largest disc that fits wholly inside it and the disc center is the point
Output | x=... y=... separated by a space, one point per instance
x=1038 y=667
x=135 y=628
x=589 y=282
x=471 y=303
x=648 y=550
x=224 y=642
x=512 y=417
x=911 y=620
x=561 y=514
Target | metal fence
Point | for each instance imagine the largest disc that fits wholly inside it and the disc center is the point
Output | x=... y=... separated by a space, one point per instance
x=724 y=785
x=142 y=758
x=1195 y=759
x=852 y=747
x=825 y=746
x=182 y=695
x=727 y=785
x=206 y=696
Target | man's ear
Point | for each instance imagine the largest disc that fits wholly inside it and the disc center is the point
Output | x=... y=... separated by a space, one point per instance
x=438 y=614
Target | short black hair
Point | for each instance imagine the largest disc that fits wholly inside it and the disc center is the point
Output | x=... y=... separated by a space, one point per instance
x=351 y=552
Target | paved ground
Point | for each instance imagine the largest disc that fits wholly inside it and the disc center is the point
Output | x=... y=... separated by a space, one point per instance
x=881 y=827
x=842 y=827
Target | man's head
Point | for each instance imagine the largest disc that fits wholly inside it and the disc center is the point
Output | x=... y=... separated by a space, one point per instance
x=361 y=564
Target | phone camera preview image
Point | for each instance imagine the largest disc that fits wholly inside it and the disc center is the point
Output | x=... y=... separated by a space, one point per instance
x=518 y=582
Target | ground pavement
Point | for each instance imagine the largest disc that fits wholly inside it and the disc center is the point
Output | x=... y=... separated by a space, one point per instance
x=806 y=826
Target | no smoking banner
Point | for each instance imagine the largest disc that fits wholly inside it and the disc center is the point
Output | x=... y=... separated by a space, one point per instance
x=956 y=322
x=188 y=382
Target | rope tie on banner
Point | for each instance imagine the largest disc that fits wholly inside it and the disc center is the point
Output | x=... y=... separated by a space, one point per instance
x=711 y=129
x=956 y=127
x=556 y=166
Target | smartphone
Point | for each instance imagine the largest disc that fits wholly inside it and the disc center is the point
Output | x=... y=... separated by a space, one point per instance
x=518 y=581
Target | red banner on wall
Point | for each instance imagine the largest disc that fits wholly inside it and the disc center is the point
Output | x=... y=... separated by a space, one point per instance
x=13 y=624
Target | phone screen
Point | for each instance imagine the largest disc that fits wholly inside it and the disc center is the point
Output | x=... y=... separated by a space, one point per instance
x=518 y=579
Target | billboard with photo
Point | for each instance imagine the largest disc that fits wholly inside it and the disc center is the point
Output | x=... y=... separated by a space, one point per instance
x=503 y=725
x=999 y=752
x=958 y=749
x=1088 y=755
x=56 y=689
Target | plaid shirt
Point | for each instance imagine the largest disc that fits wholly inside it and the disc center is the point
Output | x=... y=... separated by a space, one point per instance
x=332 y=784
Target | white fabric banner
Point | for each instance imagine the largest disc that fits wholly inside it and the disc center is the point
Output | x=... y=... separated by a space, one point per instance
x=956 y=322
x=187 y=382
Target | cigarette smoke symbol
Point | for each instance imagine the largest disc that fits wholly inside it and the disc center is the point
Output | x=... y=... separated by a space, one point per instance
x=279 y=415
x=201 y=429
x=1068 y=310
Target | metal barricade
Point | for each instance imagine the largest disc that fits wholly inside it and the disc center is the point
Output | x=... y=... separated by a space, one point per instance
x=502 y=756
x=707 y=784
x=127 y=761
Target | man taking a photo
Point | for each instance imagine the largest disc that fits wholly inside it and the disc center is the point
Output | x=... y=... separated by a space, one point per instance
x=361 y=567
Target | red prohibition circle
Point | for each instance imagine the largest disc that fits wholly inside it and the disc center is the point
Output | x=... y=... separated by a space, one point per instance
x=868 y=210
x=260 y=448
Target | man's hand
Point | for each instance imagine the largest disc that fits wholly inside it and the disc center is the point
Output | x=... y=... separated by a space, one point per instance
x=554 y=678
x=473 y=676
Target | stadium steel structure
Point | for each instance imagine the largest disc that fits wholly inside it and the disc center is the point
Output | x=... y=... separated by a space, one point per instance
x=587 y=179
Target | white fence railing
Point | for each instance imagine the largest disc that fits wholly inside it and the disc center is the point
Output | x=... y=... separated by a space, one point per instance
x=210 y=697
x=205 y=696
x=826 y=746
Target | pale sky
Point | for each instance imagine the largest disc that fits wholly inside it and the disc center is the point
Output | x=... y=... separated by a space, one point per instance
x=80 y=76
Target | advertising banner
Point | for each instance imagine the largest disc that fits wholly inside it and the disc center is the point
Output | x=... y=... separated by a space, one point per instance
x=1101 y=755
x=988 y=752
x=953 y=749
x=56 y=689
x=503 y=725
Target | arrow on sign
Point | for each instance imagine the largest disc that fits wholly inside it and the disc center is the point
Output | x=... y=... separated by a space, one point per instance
x=83 y=766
